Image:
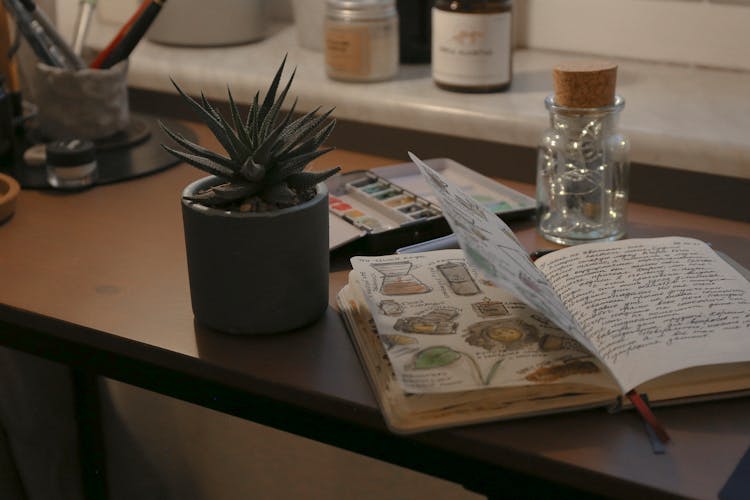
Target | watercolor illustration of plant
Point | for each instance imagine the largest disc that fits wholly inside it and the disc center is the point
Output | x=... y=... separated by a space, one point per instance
x=442 y=356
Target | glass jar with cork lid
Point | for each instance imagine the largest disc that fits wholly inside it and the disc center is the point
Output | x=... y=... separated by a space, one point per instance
x=583 y=164
x=361 y=40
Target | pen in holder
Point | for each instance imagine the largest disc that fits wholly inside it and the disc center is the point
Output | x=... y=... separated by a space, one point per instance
x=85 y=104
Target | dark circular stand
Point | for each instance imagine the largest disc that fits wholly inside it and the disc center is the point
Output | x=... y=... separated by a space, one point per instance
x=135 y=152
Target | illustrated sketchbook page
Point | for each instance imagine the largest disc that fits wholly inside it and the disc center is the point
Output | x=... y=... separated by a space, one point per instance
x=715 y=330
x=445 y=328
x=407 y=412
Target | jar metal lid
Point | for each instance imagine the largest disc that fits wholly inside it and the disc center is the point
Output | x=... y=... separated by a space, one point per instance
x=360 y=10
x=70 y=152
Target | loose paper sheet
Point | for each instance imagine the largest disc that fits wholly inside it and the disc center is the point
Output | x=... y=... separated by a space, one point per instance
x=491 y=247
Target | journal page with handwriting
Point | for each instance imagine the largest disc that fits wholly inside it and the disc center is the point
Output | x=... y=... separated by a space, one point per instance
x=654 y=306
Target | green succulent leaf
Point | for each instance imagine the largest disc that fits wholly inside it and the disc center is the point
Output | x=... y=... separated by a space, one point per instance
x=241 y=151
x=252 y=171
x=290 y=114
x=238 y=125
x=278 y=144
x=271 y=93
x=206 y=198
x=225 y=193
x=207 y=106
x=237 y=189
x=279 y=194
x=306 y=180
x=251 y=124
x=314 y=142
x=266 y=148
x=295 y=164
x=203 y=163
x=196 y=148
x=270 y=118
x=293 y=127
x=304 y=131
x=207 y=116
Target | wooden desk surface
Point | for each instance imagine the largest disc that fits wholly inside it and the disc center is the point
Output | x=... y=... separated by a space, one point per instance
x=112 y=260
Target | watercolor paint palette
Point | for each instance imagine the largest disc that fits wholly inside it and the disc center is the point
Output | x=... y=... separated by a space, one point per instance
x=379 y=210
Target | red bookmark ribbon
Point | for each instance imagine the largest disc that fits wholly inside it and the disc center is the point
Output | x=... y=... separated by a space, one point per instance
x=648 y=416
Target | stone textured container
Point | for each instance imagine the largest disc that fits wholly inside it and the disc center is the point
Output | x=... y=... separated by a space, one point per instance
x=254 y=273
x=86 y=104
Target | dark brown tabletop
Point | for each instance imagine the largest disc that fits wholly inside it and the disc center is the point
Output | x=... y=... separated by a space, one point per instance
x=98 y=279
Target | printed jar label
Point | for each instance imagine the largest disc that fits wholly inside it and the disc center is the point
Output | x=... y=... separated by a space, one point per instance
x=347 y=50
x=471 y=49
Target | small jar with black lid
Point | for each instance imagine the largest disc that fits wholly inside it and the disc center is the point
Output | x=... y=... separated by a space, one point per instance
x=472 y=45
x=71 y=163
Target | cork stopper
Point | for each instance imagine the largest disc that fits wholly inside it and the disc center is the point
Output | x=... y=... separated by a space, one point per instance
x=585 y=84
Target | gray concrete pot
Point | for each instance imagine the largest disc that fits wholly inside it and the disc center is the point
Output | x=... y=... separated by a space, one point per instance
x=257 y=272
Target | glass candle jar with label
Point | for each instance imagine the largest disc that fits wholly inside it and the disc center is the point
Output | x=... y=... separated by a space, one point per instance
x=361 y=40
x=472 y=45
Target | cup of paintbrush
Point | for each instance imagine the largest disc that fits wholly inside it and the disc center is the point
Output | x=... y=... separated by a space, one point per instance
x=87 y=103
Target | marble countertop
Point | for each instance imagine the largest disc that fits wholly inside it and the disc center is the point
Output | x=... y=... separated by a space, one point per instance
x=686 y=118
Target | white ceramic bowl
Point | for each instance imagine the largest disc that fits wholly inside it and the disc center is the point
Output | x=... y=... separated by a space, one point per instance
x=200 y=23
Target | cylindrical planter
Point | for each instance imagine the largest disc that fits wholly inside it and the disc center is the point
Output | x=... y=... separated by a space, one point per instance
x=257 y=272
x=84 y=104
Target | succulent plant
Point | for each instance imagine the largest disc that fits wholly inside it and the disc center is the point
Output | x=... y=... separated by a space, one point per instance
x=267 y=153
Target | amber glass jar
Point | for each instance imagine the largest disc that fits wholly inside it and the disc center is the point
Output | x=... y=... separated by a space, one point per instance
x=472 y=45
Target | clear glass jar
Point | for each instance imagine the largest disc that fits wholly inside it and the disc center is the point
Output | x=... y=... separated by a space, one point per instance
x=361 y=40
x=582 y=175
x=71 y=163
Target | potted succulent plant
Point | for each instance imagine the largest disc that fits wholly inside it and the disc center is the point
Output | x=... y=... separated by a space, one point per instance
x=256 y=229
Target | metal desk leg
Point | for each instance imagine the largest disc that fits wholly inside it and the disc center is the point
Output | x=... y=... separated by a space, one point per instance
x=90 y=434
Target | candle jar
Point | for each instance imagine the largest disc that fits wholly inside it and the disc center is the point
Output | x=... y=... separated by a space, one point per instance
x=361 y=40
x=582 y=175
x=472 y=45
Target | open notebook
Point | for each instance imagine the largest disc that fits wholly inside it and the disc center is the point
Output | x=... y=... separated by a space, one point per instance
x=463 y=336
